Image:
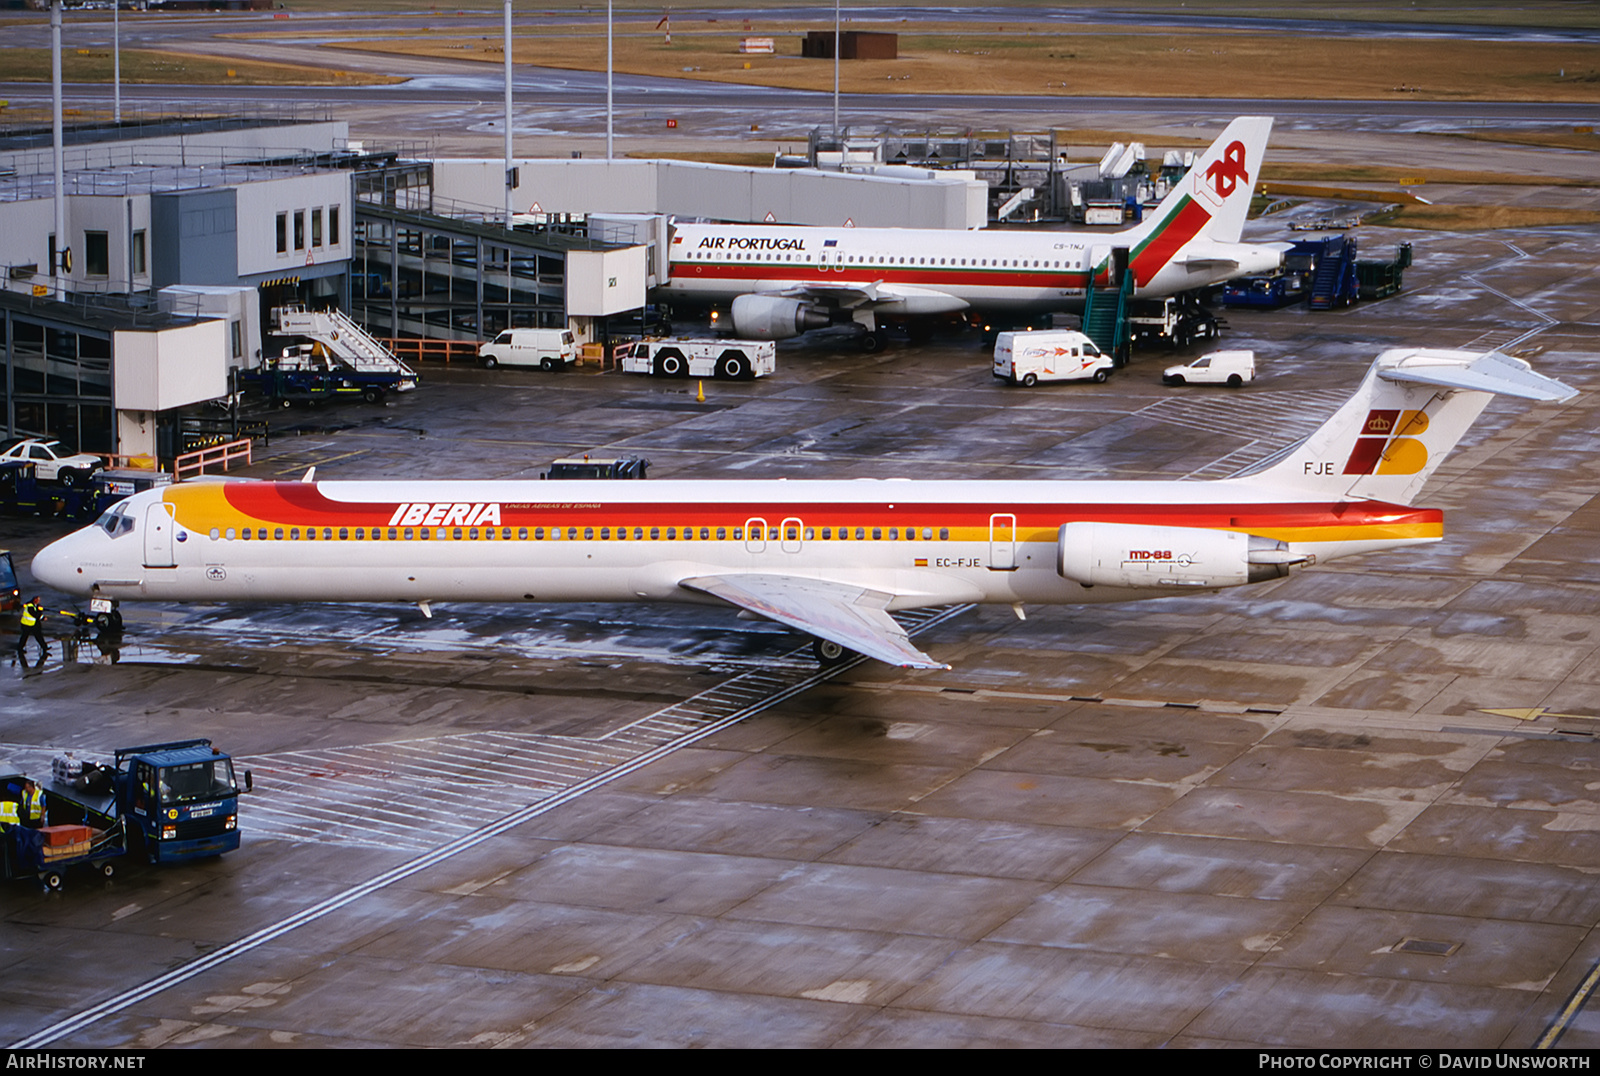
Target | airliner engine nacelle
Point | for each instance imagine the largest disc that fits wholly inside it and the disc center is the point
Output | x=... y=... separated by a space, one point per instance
x=768 y=317
x=1134 y=555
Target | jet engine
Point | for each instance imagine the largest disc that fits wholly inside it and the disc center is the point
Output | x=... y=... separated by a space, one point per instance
x=1135 y=555
x=769 y=317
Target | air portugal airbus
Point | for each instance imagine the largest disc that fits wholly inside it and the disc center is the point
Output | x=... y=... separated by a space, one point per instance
x=783 y=281
x=832 y=559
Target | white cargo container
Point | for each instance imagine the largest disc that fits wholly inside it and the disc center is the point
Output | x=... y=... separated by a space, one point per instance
x=1026 y=358
x=729 y=360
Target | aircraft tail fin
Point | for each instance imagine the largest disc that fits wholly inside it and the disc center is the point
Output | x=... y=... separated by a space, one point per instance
x=1213 y=199
x=1413 y=407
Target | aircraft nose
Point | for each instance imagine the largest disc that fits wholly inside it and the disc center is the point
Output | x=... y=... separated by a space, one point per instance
x=57 y=566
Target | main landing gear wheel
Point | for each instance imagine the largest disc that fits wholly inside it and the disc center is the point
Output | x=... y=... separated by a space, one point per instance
x=872 y=342
x=830 y=653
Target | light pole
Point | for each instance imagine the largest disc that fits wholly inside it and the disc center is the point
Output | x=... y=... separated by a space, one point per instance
x=508 y=114
x=63 y=257
x=116 y=61
x=609 y=111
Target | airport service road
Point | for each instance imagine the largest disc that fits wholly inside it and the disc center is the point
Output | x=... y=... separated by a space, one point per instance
x=1286 y=815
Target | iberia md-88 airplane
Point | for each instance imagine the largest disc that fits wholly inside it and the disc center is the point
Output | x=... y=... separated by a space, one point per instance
x=783 y=281
x=832 y=559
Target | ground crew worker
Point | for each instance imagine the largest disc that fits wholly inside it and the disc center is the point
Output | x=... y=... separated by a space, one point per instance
x=32 y=809
x=32 y=618
x=8 y=815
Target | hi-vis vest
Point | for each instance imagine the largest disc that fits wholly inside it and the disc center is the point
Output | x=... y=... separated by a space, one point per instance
x=34 y=802
x=31 y=613
x=8 y=813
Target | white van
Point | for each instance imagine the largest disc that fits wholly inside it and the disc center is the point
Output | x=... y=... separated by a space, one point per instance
x=1231 y=368
x=1026 y=358
x=548 y=349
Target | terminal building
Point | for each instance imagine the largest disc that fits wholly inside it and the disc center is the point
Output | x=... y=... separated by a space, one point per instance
x=185 y=234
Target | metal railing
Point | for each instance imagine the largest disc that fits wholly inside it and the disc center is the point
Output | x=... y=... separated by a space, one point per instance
x=194 y=464
x=419 y=349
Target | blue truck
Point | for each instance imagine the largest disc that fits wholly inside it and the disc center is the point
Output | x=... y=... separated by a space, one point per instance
x=181 y=798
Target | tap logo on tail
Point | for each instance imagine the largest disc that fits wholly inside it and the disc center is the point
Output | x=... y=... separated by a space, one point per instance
x=1225 y=173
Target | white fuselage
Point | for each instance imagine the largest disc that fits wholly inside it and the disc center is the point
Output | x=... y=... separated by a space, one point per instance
x=925 y=543
x=1000 y=270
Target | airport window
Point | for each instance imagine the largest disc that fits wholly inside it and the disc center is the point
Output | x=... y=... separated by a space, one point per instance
x=333 y=226
x=705 y=534
x=638 y=534
x=722 y=532
x=894 y=534
x=311 y=534
x=944 y=534
x=96 y=254
x=861 y=534
x=794 y=532
x=391 y=534
x=294 y=534
x=927 y=533
x=572 y=533
x=215 y=534
x=605 y=533
x=827 y=533
x=283 y=233
x=316 y=227
x=230 y=534
x=672 y=533
x=588 y=534
x=408 y=534
x=299 y=229
x=245 y=534
x=655 y=534
x=136 y=253
x=810 y=533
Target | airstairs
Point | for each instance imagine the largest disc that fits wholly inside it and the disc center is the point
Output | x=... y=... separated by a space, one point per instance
x=341 y=340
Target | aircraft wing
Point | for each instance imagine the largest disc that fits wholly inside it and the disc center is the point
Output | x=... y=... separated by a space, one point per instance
x=852 y=616
x=896 y=298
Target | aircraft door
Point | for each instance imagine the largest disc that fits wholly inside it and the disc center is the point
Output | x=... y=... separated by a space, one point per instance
x=792 y=531
x=755 y=535
x=159 y=526
x=1002 y=542
x=1094 y=258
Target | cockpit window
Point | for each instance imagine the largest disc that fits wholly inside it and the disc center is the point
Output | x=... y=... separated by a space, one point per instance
x=116 y=522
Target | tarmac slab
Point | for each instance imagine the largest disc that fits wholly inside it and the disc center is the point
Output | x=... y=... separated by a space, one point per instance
x=1281 y=816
